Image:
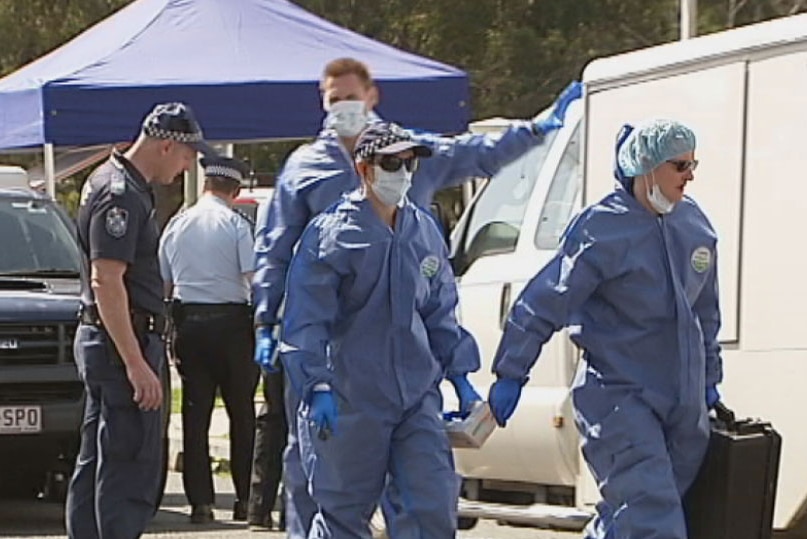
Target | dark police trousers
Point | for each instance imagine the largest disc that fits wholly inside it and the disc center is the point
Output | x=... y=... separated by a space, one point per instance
x=271 y=431
x=114 y=488
x=214 y=345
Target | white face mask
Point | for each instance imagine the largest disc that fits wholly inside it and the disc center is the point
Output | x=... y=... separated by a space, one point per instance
x=657 y=199
x=391 y=187
x=347 y=118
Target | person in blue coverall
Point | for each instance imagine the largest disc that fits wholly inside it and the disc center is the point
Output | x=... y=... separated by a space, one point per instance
x=369 y=332
x=317 y=174
x=635 y=281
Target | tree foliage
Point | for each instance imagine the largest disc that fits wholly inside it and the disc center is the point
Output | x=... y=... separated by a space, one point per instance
x=521 y=53
x=30 y=28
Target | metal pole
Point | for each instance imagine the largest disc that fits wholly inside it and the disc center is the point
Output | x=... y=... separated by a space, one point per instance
x=194 y=178
x=50 y=170
x=689 y=18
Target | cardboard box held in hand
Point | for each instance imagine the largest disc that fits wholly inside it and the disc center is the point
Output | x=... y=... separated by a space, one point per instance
x=474 y=430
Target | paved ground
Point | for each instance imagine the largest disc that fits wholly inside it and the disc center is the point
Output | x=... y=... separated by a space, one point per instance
x=39 y=520
x=35 y=519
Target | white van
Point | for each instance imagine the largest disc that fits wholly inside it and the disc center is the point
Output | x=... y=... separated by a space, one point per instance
x=744 y=92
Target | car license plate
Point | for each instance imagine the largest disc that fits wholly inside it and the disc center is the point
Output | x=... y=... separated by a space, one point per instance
x=20 y=419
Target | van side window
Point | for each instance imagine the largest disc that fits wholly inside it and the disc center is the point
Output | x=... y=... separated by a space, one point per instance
x=560 y=200
x=499 y=211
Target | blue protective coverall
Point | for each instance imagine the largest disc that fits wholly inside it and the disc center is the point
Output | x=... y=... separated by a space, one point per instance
x=314 y=177
x=639 y=295
x=370 y=312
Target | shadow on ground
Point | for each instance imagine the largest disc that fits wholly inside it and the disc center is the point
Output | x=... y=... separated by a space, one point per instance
x=37 y=518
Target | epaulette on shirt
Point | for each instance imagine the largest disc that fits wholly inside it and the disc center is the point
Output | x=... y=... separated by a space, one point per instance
x=117 y=179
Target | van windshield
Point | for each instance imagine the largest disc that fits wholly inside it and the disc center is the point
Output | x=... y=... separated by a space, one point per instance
x=495 y=221
x=36 y=239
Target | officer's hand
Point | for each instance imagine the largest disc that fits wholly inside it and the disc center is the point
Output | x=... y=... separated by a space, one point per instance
x=265 y=345
x=322 y=412
x=503 y=398
x=712 y=397
x=466 y=394
x=558 y=115
x=148 y=391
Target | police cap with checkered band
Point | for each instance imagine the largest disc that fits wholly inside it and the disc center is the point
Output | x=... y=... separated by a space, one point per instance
x=228 y=168
x=176 y=121
x=387 y=138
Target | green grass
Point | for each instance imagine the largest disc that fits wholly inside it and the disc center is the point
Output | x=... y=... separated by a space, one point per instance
x=176 y=400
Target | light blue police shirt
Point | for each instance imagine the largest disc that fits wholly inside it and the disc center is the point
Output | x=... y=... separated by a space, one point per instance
x=205 y=251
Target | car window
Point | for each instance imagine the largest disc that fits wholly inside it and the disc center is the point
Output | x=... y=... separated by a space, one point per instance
x=495 y=223
x=560 y=200
x=35 y=237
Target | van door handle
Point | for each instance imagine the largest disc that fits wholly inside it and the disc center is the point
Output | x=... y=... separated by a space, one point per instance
x=504 y=305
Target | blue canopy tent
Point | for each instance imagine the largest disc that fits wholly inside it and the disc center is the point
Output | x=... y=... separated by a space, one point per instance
x=249 y=69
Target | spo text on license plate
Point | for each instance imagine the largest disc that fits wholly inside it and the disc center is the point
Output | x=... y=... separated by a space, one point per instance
x=20 y=419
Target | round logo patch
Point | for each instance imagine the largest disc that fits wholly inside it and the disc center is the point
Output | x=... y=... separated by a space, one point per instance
x=701 y=259
x=116 y=222
x=429 y=266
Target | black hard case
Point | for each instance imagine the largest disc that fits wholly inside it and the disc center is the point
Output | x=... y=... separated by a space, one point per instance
x=733 y=495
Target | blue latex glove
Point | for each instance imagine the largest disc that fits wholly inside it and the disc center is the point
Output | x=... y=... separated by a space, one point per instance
x=503 y=398
x=265 y=345
x=322 y=413
x=555 y=120
x=466 y=393
x=712 y=397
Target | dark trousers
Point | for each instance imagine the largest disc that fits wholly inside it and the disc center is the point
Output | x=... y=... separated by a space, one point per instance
x=118 y=473
x=271 y=431
x=214 y=348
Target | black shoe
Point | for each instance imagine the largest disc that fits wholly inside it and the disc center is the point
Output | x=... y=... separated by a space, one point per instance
x=202 y=514
x=240 y=511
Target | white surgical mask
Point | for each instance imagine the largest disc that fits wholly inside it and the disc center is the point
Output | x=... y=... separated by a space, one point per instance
x=657 y=199
x=391 y=187
x=347 y=118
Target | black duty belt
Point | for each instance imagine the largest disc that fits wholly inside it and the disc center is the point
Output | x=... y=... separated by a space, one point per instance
x=142 y=321
x=203 y=312
x=216 y=308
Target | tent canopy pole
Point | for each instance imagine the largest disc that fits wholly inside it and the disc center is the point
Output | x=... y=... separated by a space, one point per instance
x=50 y=170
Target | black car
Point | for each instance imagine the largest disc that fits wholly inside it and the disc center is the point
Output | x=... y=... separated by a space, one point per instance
x=41 y=396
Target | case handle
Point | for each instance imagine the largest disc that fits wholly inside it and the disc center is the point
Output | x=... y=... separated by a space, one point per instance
x=725 y=415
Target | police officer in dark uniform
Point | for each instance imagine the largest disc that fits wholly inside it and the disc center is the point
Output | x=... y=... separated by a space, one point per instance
x=207 y=263
x=119 y=347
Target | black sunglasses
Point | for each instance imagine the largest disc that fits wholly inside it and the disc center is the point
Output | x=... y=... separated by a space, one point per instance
x=682 y=165
x=392 y=163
